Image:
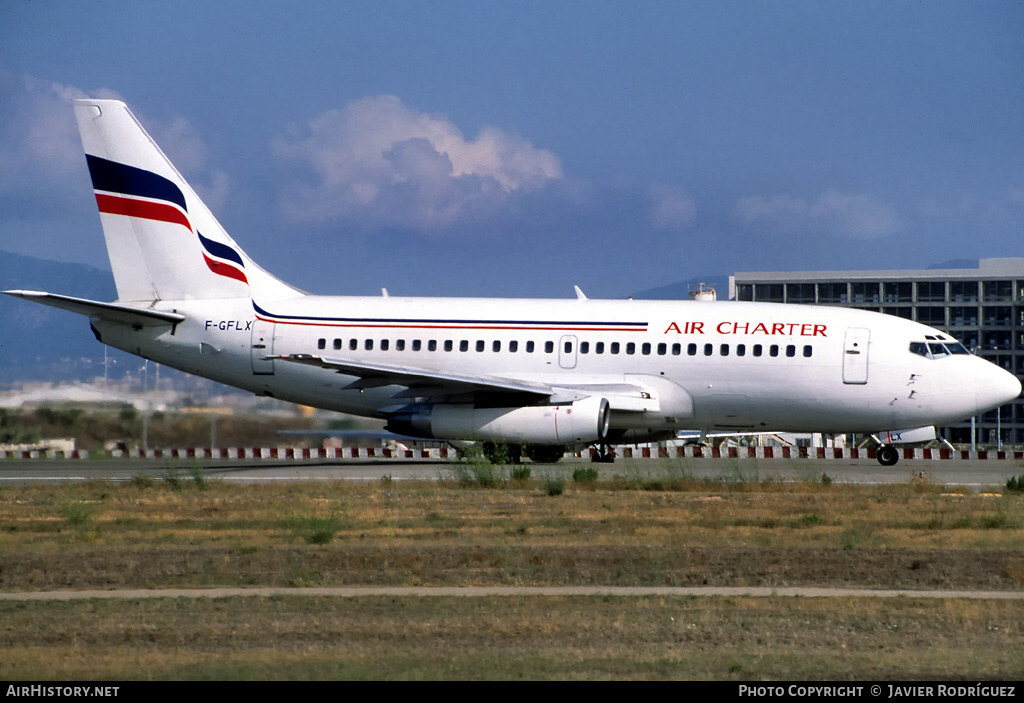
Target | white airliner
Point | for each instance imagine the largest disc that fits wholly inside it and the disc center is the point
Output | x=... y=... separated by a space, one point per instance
x=544 y=374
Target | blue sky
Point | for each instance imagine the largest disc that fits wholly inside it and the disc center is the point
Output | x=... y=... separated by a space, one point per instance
x=517 y=148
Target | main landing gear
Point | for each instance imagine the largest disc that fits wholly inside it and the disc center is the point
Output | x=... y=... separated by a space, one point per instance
x=605 y=455
x=887 y=455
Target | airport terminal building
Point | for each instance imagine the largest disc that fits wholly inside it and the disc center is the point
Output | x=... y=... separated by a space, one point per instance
x=983 y=307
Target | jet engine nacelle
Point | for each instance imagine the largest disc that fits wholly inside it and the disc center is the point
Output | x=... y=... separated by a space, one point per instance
x=582 y=422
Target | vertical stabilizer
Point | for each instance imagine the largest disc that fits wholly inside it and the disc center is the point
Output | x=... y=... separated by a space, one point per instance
x=163 y=242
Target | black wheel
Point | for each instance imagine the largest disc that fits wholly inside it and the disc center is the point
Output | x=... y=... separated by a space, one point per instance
x=888 y=455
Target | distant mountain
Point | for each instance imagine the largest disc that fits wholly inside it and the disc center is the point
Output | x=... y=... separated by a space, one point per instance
x=44 y=343
x=955 y=264
x=681 y=290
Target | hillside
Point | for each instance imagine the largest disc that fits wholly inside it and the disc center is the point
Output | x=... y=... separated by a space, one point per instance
x=44 y=343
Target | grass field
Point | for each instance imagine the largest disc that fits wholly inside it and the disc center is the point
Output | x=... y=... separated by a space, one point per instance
x=189 y=531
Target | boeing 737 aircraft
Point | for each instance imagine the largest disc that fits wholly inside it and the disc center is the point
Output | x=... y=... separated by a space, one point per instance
x=544 y=374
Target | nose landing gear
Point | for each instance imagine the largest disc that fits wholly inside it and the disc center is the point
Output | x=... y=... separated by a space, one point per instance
x=887 y=455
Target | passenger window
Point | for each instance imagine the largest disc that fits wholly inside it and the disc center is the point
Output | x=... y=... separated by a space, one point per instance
x=709 y=349
x=529 y=347
x=353 y=344
x=337 y=344
x=321 y=344
x=432 y=345
x=568 y=347
x=415 y=345
x=677 y=349
x=662 y=349
x=447 y=345
x=513 y=346
x=384 y=345
x=757 y=350
x=549 y=347
x=741 y=350
x=399 y=345
x=584 y=347
x=479 y=345
x=691 y=349
x=790 y=350
x=773 y=350
x=599 y=348
x=464 y=345
x=807 y=350
x=645 y=348
x=368 y=345
x=496 y=346
x=615 y=347
x=724 y=350
x=630 y=348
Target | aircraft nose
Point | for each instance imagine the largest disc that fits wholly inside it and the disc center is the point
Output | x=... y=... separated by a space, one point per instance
x=994 y=387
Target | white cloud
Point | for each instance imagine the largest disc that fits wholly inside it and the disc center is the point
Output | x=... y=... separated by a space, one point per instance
x=672 y=207
x=41 y=153
x=377 y=161
x=854 y=216
x=39 y=142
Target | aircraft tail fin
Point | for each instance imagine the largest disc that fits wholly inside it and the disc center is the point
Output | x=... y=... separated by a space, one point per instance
x=162 y=240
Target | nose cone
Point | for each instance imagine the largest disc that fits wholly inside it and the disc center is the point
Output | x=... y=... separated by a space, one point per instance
x=994 y=387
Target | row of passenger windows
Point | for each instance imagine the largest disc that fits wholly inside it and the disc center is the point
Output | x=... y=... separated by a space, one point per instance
x=630 y=348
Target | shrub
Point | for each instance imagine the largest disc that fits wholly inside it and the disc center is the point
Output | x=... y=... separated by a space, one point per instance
x=315 y=530
x=585 y=475
x=77 y=514
x=520 y=474
x=554 y=485
x=811 y=520
x=142 y=481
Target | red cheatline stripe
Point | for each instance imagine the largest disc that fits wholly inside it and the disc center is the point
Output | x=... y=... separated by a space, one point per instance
x=225 y=270
x=542 y=328
x=113 y=205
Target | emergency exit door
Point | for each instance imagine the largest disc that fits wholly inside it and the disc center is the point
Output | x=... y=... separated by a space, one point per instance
x=855 y=355
x=262 y=347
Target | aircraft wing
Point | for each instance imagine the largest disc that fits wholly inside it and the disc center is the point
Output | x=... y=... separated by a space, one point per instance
x=115 y=312
x=421 y=382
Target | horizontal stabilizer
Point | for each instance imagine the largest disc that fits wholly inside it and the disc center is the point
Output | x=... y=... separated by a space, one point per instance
x=112 y=312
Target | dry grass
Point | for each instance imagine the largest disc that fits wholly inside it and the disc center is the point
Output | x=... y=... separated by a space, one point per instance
x=190 y=532
x=509 y=638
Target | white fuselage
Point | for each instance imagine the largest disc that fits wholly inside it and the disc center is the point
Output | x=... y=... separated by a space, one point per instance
x=708 y=365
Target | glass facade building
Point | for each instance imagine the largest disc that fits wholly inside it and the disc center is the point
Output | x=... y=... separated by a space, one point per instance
x=983 y=307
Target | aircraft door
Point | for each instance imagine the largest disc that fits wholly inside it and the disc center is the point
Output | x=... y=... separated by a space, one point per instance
x=855 y=355
x=262 y=346
x=567 y=351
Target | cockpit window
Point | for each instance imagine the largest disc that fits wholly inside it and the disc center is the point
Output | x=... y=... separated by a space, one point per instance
x=936 y=350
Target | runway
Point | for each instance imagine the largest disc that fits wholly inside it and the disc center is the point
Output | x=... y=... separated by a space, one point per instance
x=979 y=476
